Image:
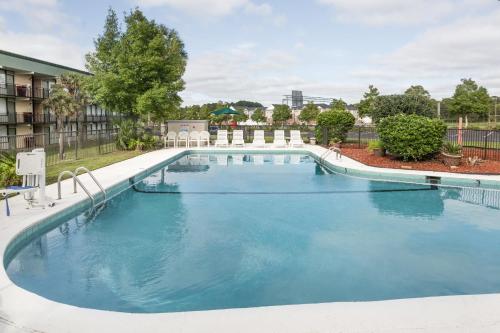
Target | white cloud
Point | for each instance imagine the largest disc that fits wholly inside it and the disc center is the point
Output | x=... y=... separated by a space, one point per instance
x=45 y=47
x=211 y=7
x=441 y=56
x=243 y=73
x=390 y=12
x=280 y=20
x=40 y=14
x=49 y=34
x=259 y=9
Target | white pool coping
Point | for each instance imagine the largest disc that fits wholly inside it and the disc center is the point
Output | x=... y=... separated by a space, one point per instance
x=23 y=311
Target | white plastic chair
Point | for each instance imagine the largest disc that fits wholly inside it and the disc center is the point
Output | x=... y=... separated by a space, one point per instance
x=295 y=139
x=205 y=137
x=221 y=138
x=183 y=137
x=170 y=137
x=258 y=138
x=194 y=136
x=238 y=138
x=279 y=138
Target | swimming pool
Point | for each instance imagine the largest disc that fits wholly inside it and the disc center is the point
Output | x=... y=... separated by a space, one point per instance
x=224 y=231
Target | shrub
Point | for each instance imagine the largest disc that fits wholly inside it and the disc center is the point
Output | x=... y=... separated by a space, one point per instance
x=337 y=122
x=375 y=144
x=390 y=105
x=8 y=175
x=411 y=136
x=127 y=133
x=452 y=148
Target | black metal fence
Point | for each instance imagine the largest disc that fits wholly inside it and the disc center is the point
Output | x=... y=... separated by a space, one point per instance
x=76 y=145
x=482 y=143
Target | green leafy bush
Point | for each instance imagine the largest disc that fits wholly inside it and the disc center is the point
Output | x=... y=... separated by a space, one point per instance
x=411 y=136
x=375 y=144
x=390 y=105
x=452 y=148
x=337 y=122
x=127 y=133
x=8 y=170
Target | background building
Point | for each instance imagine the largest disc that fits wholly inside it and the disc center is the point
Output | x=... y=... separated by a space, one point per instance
x=24 y=83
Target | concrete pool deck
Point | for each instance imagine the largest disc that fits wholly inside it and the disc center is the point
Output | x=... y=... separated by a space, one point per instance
x=23 y=311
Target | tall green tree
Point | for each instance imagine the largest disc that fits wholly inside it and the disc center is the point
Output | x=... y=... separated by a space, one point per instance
x=309 y=113
x=338 y=104
x=62 y=105
x=241 y=117
x=138 y=71
x=365 y=107
x=281 y=113
x=470 y=99
x=259 y=116
x=417 y=90
x=76 y=86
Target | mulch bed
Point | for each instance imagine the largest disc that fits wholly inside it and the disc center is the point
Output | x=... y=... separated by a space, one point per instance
x=364 y=156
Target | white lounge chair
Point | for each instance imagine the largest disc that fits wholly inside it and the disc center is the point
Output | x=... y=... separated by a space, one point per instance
x=238 y=138
x=205 y=138
x=194 y=136
x=221 y=138
x=279 y=138
x=258 y=138
x=170 y=137
x=295 y=139
x=183 y=137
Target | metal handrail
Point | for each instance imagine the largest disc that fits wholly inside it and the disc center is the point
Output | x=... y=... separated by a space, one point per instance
x=323 y=156
x=82 y=168
x=75 y=180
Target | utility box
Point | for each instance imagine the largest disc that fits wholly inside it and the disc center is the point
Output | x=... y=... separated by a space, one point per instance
x=178 y=126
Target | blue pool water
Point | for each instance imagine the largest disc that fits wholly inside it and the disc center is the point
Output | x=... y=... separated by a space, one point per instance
x=219 y=231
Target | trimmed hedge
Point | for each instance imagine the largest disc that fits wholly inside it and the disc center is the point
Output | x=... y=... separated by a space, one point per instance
x=411 y=136
x=338 y=123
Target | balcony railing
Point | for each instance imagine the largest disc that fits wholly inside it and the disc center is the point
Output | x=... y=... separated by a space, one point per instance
x=7 y=90
x=24 y=118
x=96 y=118
x=41 y=93
x=44 y=118
x=25 y=91
x=9 y=118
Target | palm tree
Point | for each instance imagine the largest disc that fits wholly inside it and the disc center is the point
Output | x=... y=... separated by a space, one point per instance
x=75 y=85
x=63 y=105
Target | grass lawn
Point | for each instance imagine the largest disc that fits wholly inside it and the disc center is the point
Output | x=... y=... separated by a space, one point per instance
x=91 y=163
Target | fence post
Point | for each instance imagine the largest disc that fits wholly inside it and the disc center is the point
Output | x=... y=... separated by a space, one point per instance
x=325 y=136
x=485 y=151
x=99 y=142
x=77 y=142
x=359 y=137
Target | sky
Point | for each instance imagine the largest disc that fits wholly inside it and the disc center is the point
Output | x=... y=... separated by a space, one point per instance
x=260 y=50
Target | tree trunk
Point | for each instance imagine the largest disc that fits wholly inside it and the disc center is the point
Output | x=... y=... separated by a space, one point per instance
x=60 y=125
x=466 y=121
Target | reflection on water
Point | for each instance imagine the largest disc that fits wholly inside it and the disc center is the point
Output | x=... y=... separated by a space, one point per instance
x=292 y=229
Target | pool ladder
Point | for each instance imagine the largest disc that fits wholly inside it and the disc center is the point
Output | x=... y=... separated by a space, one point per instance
x=74 y=175
x=327 y=153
